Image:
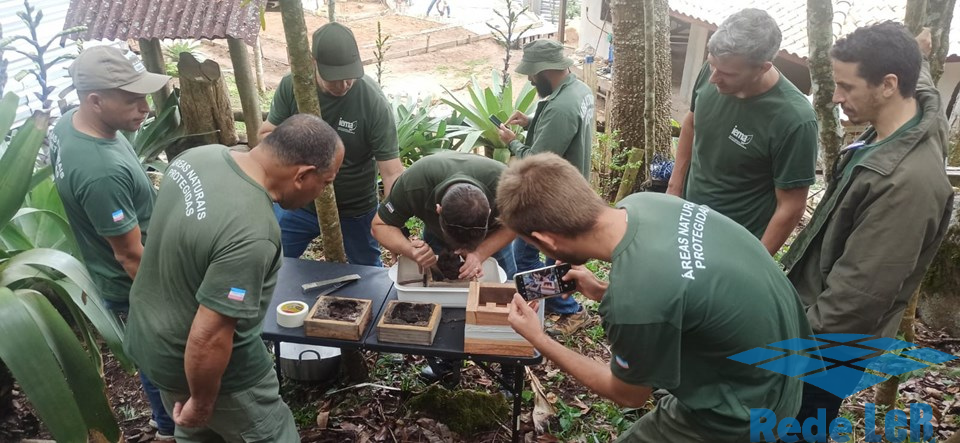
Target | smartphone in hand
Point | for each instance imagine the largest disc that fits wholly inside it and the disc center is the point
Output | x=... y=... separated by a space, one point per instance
x=544 y=282
x=496 y=121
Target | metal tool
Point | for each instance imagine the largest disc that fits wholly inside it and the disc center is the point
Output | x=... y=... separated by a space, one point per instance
x=336 y=283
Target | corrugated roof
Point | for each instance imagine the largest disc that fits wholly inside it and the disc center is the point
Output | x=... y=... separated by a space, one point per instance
x=791 y=15
x=125 y=19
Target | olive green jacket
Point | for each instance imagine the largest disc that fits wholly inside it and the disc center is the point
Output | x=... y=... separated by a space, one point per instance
x=877 y=229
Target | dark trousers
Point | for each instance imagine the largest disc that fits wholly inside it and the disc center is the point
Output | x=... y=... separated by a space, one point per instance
x=815 y=399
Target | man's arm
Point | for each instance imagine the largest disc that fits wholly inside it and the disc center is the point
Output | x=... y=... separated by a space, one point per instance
x=392 y=238
x=790 y=206
x=265 y=129
x=555 y=129
x=593 y=374
x=684 y=153
x=495 y=241
x=128 y=249
x=389 y=171
x=207 y=354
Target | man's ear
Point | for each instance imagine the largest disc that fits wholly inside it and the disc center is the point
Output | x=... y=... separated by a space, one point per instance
x=438 y=208
x=546 y=239
x=302 y=173
x=765 y=67
x=890 y=85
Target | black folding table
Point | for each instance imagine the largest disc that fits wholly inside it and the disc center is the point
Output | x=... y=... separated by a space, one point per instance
x=375 y=285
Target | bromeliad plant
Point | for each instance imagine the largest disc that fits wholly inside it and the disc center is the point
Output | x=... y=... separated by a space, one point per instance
x=418 y=133
x=478 y=129
x=60 y=370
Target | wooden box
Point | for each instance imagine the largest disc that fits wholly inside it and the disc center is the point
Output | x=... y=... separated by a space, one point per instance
x=409 y=333
x=349 y=329
x=487 y=330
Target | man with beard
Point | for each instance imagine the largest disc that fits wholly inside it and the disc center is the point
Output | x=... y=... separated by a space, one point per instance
x=353 y=104
x=688 y=287
x=879 y=225
x=748 y=146
x=562 y=124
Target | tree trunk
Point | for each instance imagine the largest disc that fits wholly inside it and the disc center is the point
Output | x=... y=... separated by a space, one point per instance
x=939 y=17
x=914 y=17
x=247 y=87
x=642 y=83
x=152 y=55
x=887 y=391
x=258 y=62
x=305 y=92
x=204 y=102
x=954 y=139
x=820 y=40
x=332 y=10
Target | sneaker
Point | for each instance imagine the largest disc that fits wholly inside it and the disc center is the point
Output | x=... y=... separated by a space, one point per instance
x=160 y=435
x=569 y=323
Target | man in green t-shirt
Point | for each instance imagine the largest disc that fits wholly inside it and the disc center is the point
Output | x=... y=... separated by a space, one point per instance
x=208 y=274
x=688 y=287
x=106 y=194
x=748 y=146
x=562 y=124
x=877 y=229
x=354 y=105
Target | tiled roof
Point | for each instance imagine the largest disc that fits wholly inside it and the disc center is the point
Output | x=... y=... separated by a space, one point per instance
x=791 y=15
x=125 y=19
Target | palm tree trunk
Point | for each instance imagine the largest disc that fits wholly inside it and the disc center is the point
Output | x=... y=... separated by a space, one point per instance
x=820 y=38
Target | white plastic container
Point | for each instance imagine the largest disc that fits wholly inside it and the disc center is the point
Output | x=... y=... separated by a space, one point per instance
x=448 y=297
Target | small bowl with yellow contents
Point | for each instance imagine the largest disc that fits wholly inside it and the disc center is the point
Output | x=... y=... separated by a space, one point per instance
x=291 y=314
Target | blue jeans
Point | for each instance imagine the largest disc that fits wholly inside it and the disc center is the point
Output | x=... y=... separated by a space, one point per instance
x=298 y=227
x=528 y=259
x=504 y=257
x=165 y=424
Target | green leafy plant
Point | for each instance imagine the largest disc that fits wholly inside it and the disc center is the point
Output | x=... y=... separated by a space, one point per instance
x=508 y=35
x=159 y=133
x=380 y=53
x=62 y=377
x=484 y=102
x=172 y=50
x=418 y=134
x=38 y=52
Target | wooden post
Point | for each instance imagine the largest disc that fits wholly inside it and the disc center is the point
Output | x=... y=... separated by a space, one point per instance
x=590 y=78
x=258 y=63
x=152 y=56
x=204 y=102
x=332 y=10
x=246 y=86
x=562 y=21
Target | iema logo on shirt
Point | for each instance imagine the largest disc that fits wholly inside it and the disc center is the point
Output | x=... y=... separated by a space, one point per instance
x=842 y=364
x=740 y=138
x=118 y=215
x=236 y=294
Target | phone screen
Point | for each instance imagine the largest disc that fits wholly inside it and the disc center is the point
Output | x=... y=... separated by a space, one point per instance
x=495 y=120
x=544 y=282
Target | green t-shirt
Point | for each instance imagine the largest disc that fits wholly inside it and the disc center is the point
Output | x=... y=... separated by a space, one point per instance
x=420 y=188
x=745 y=149
x=105 y=194
x=689 y=288
x=562 y=124
x=214 y=242
x=364 y=121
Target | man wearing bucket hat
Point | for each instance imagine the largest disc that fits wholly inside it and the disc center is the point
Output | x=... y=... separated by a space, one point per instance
x=354 y=105
x=562 y=124
x=106 y=194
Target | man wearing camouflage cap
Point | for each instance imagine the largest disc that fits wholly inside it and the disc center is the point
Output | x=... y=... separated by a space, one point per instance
x=354 y=105
x=106 y=194
x=562 y=124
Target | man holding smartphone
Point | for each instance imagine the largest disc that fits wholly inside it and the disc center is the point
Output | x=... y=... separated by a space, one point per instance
x=688 y=287
x=562 y=124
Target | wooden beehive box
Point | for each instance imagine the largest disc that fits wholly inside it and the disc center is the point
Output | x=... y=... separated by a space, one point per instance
x=331 y=325
x=409 y=322
x=487 y=330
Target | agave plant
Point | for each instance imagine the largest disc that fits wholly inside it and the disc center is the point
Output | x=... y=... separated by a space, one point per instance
x=62 y=377
x=484 y=103
x=418 y=134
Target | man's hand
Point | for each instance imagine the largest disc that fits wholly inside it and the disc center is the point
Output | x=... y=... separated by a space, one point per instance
x=523 y=318
x=587 y=282
x=192 y=414
x=518 y=118
x=925 y=42
x=472 y=265
x=506 y=134
x=422 y=254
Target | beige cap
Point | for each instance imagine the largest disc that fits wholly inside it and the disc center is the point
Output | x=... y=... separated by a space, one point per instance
x=107 y=67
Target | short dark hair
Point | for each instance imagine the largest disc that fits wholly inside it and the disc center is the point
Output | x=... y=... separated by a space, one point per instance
x=545 y=193
x=881 y=49
x=303 y=139
x=464 y=215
